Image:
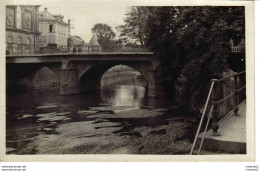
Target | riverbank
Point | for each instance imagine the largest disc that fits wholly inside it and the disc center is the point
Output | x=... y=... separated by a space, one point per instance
x=126 y=131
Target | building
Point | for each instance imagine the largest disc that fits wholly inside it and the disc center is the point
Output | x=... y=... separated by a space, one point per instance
x=53 y=30
x=22 y=29
x=78 y=45
x=93 y=45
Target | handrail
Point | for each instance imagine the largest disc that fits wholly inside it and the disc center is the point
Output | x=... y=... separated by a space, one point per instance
x=230 y=95
x=230 y=112
x=209 y=117
x=206 y=127
x=202 y=117
x=213 y=81
x=222 y=79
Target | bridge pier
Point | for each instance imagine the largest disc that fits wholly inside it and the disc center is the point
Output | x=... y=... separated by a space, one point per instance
x=68 y=81
x=155 y=86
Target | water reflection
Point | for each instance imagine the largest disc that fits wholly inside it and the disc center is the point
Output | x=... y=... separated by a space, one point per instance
x=123 y=96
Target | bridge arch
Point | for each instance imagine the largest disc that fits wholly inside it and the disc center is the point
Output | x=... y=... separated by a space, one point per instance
x=91 y=78
x=45 y=76
x=123 y=75
x=21 y=76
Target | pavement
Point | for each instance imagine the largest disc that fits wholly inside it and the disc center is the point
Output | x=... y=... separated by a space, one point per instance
x=232 y=139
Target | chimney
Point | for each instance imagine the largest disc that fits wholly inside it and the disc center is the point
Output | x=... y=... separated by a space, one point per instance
x=45 y=9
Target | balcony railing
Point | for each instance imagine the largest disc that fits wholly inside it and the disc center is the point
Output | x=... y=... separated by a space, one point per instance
x=238 y=48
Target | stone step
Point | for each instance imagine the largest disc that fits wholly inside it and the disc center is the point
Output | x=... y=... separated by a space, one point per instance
x=232 y=137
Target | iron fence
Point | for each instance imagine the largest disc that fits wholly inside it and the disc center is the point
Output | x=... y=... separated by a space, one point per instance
x=224 y=97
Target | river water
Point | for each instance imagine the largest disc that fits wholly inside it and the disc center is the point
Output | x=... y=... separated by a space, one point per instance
x=36 y=119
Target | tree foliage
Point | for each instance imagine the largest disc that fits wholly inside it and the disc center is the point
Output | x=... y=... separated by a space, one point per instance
x=105 y=36
x=191 y=44
x=133 y=29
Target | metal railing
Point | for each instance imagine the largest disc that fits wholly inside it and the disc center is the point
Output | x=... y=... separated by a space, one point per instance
x=215 y=101
x=239 y=48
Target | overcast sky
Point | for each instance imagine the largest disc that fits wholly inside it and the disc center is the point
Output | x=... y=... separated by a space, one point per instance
x=85 y=14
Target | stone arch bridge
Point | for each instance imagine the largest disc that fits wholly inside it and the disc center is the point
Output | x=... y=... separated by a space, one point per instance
x=82 y=72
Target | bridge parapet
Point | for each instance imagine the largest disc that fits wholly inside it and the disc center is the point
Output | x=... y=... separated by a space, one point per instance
x=49 y=58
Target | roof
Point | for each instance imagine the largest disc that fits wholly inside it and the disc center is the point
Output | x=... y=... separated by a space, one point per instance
x=76 y=40
x=46 y=16
x=93 y=41
x=59 y=18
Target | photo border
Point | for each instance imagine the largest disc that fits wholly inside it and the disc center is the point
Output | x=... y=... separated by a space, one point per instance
x=250 y=90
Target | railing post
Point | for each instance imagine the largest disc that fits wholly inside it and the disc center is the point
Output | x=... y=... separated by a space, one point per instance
x=236 y=111
x=215 y=97
x=215 y=125
x=203 y=115
x=236 y=96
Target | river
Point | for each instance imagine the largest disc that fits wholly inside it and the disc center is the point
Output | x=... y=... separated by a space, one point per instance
x=42 y=121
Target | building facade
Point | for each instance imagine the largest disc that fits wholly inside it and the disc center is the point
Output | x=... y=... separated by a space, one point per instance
x=22 y=29
x=53 y=30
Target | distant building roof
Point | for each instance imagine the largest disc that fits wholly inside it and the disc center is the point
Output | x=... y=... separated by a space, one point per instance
x=60 y=19
x=76 y=40
x=93 y=41
x=46 y=16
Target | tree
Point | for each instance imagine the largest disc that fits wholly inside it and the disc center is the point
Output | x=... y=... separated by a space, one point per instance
x=133 y=29
x=191 y=44
x=105 y=36
x=195 y=43
x=205 y=32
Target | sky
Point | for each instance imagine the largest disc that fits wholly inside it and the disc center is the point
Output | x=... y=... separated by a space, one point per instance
x=85 y=14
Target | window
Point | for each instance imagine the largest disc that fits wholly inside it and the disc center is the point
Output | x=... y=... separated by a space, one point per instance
x=51 y=39
x=51 y=28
